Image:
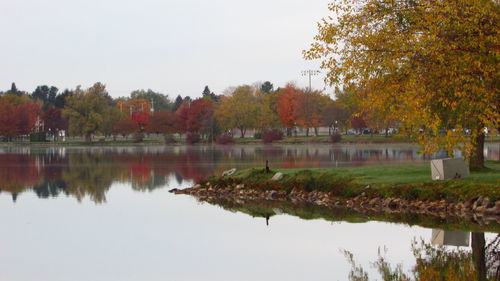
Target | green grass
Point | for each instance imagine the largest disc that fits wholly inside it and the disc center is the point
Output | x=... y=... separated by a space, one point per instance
x=411 y=182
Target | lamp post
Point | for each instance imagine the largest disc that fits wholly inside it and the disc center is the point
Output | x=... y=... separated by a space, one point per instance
x=310 y=73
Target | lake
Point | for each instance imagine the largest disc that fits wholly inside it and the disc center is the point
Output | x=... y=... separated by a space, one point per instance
x=105 y=213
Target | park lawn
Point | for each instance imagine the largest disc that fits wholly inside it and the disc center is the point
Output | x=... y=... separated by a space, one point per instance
x=411 y=182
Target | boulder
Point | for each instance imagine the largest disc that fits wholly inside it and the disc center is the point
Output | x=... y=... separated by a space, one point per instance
x=272 y=195
x=277 y=177
x=449 y=168
x=229 y=172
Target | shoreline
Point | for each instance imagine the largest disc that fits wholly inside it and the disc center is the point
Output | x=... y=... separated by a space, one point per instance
x=349 y=139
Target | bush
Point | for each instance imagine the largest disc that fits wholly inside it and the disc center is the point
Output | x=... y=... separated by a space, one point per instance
x=336 y=137
x=38 y=137
x=257 y=135
x=225 y=139
x=192 y=138
x=272 y=135
x=139 y=136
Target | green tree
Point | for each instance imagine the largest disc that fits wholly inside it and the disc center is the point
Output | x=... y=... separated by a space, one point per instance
x=160 y=102
x=267 y=87
x=434 y=64
x=113 y=117
x=177 y=103
x=46 y=94
x=207 y=94
x=87 y=110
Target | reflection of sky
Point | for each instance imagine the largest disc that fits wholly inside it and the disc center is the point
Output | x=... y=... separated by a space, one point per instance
x=159 y=236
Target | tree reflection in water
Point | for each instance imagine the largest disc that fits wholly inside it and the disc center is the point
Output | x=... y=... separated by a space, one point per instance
x=432 y=262
x=438 y=263
x=90 y=171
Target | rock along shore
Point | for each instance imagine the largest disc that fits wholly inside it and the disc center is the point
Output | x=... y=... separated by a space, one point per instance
x=479 y=209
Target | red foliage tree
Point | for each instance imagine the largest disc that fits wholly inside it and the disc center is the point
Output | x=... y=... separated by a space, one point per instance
x=125 y=127
x=8 y=119
x=141 y=118
x=358 y=124
x=195 y=116
x=27 y=114
x=200 y=113
x=53 y=121
x=162 y=122
x=182 y=114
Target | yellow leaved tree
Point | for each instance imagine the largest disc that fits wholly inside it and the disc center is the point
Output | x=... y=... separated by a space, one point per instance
x=433 y=64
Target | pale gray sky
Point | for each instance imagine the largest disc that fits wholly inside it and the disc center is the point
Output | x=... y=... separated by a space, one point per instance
x=171 y=46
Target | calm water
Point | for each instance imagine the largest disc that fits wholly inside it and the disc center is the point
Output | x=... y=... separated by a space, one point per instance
x=106 y=214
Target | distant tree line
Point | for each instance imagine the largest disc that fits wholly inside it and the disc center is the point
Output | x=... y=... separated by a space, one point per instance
x=260 y=107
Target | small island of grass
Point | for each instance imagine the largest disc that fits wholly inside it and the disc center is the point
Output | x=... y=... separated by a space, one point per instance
x=401 y=188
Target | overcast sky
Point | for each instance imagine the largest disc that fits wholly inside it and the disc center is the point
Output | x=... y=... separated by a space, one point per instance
x=171 y=46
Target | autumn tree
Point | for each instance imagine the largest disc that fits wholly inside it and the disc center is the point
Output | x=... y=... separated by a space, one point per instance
x=8 y=119
x=162 y=122
x=308 y=110
x=335 y=116
x=113 y=117
x=53 y=121
x=434 y=63
x=266 y=117
x=287 y=103
x=238 y=109
x=125 y=127
x=26 y=115
x=200 y=116
x=86 y=110
x=358 y=124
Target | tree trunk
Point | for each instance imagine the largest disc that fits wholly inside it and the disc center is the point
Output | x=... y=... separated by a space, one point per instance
x=307 y=132
x=476 y=160
x=478 y=255
x=88 y=138
x=386 y=132
x=242 y=130
x=316 y=131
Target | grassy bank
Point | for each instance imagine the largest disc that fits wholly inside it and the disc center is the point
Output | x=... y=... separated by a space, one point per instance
x=409 y=182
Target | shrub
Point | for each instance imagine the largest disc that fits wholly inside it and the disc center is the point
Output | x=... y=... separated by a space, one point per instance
x=225 y=139
x=192 y=138
x=272 y=135
x=336 y=137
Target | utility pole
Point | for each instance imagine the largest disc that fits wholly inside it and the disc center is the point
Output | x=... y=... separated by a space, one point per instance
x=310 y=73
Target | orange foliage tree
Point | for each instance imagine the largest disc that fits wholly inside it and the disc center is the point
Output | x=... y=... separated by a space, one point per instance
x=287 y=102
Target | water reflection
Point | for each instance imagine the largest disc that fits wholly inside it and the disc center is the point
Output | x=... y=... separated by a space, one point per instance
x=451 y=254
x=480 y=263
x=90 y=171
